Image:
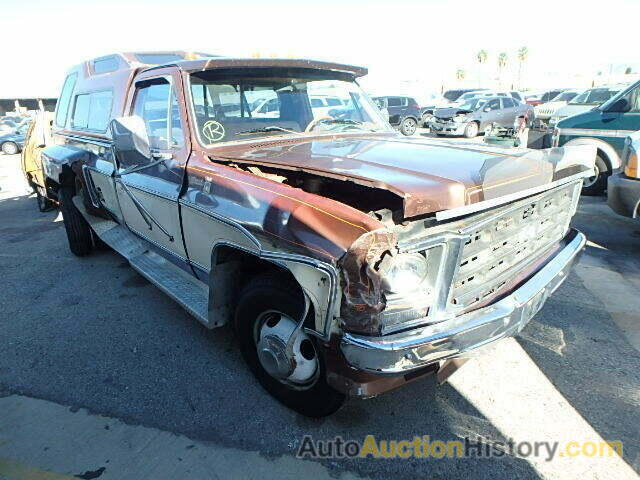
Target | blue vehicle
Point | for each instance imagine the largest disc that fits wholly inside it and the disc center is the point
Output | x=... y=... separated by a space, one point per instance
x=13 y=142
x=607 y=127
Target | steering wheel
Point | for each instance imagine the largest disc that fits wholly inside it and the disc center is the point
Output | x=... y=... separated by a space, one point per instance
x=314 y=123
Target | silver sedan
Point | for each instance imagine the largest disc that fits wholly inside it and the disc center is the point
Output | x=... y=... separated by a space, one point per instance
x=475 y=115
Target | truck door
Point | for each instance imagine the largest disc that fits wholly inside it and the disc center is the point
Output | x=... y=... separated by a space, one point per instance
x=148 y=194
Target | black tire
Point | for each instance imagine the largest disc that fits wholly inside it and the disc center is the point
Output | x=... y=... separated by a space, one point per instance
x=471 y=130
x=10 y=148
x=272 y=292
x=98 y=244
x=77 y=228
x=408 y=126
x=595 y=186
x=44 y=204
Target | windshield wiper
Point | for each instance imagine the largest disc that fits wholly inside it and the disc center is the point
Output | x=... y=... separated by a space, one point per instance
x=272 y=128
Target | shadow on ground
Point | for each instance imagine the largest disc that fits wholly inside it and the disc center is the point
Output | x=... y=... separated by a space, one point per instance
x=90 y=332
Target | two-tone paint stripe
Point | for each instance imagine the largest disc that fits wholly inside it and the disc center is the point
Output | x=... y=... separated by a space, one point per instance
x=593 y=132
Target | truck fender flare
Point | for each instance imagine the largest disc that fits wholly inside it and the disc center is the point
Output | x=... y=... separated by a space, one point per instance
x=318 y=281
x=62 y=163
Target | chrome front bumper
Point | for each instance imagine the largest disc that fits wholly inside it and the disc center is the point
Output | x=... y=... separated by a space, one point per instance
x=402 y=352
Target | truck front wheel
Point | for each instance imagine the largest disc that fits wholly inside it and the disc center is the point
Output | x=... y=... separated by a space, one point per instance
x=267 y=315
x=77 y=228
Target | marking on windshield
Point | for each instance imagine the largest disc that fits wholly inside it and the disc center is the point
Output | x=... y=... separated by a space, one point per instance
x=214 y=131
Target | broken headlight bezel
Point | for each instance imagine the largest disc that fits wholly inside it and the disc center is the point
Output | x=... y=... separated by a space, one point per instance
x=403 y=273
x=410 y=307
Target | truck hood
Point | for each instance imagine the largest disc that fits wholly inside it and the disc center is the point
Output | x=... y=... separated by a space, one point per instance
x=429 y=176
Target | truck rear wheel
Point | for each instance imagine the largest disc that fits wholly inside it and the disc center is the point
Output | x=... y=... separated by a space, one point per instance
x=77 y=228
x=266 y=316
x=597 y=184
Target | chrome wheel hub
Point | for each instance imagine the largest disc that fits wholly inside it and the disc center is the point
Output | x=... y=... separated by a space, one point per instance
x=10 y=149
x=297 y=364
x=591 y=180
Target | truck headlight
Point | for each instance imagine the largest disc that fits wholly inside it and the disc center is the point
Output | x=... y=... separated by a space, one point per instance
x=404 y=273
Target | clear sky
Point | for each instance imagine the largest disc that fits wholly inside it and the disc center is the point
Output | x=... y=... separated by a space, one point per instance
x=423 y=42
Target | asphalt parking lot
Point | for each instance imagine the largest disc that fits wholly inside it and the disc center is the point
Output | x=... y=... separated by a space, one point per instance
x=103 y=376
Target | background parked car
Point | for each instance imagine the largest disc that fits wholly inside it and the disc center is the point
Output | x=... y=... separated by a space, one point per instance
x=479 y=93
x=474 y=116
x=489 y=93
x=404 y=112
x=545 y=111
x=517 y=95
x=623 y=191
x=537 y=99
x=12 y=142
x=9 y=124
x=38 y=137
x=451 y=96
x=606 y=127
x=585 y=101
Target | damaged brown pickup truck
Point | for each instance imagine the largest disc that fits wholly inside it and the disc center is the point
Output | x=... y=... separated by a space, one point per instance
x=348 y=259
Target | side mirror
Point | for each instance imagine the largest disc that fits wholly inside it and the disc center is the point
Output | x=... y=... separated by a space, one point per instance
x=130 y=141
x=486 y=109
x=619 y=106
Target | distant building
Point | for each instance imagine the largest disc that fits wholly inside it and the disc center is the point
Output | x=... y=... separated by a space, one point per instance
x=26 y=105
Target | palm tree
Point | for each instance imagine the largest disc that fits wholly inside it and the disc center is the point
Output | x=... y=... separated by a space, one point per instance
x=481 y=56
x=460 y=74
x=502 y=62
x=523 y=54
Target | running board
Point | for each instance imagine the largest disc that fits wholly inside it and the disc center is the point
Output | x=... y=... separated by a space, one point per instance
x=185 y=289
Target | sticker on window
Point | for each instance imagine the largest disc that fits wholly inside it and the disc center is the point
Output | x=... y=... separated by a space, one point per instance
x=213 y=131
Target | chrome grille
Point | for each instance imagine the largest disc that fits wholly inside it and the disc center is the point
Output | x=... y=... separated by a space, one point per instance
x=498 y=248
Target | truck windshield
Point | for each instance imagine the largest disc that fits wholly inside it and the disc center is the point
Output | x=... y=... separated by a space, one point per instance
x=244 y=105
